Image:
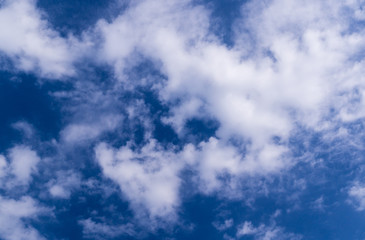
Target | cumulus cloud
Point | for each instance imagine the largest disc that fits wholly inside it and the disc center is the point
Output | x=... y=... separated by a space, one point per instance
x=227 y=89
x=23 y=163
x=32 y=44
x=12 y=214
x=298 y=68
x=290 y=68
x=314 y=52
x=214 y=160
x=147 y=177
x=16 y=169
x=151 y=177
x=303 y=63
x=147 y=23
x=357 y=196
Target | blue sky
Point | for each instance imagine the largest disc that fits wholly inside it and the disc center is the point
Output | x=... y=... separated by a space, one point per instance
x=182 y=119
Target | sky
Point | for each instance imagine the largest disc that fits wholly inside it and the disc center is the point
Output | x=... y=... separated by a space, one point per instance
x=182 y=119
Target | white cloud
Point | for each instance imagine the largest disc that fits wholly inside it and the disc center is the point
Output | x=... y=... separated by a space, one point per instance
x=144 y=22
x=12 y=214
x=100 y=230
x=23 y=162
x=76 y=133
x=302 y=67
x=214 y=159
x=24 y=127
x=228 y=223
x=28 y=40
x=3 y=165
x=247 y=229
x=357 y=196
x=147 y=177
x=64 y=184
x=263 y=232
x=236 y=93
x=16 y=170
x=150 y=177
x=318 y=204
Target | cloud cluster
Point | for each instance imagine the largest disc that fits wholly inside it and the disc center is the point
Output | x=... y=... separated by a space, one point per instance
x=290 y=69
x=22 y=164
x=149 y=178
x=297 y=68
x=32 y=44
x=357 y=196
x=14 y=212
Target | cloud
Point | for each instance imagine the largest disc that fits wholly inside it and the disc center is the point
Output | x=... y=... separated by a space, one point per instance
x=314 y=50
x=76 y=133
x=16 y=169
x=220 y=166
x=318 y=204
x=12 y=214
x=32 y=44
x=264 y=232
x=223 y=226
x=64 y=184
x=147 y=177
x=290 y=68
x=301 y=71
x=99 y=230
x=23 y=162
x=357 y=196
x=298 y=69
x=236 y=93
x=3 y=165
x=24 y=127
x=151 y=177
x=144 y=23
